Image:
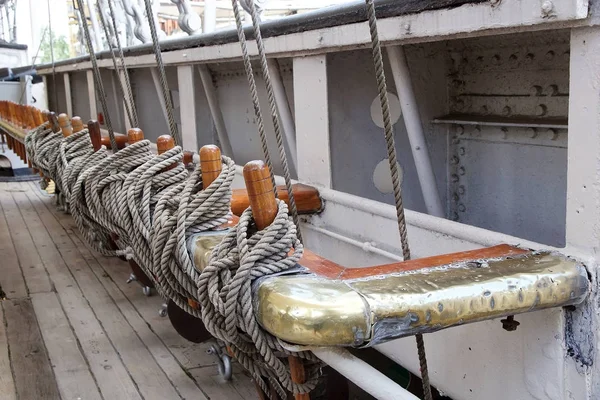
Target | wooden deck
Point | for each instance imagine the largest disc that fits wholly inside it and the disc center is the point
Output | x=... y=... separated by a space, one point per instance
x=73 y=329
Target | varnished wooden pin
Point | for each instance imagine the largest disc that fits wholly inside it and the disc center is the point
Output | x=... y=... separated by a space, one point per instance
x=65 y=124
x=95 y=136
x=53 y=122
x=76 y=124
x=210 y=164
x=134 y=135
x=164 y=143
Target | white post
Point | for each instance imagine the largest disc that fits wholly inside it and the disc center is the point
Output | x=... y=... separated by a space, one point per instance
x=25 y=89
x=215 y=109
x=416 y=136
x=68 y=97
x=362 y=374
x=312 y=120
x=187 y=106
x=210 y=15
x=285 y=114
x=89 y=74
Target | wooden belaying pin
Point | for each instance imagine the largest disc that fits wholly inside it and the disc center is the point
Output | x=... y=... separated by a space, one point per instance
x=134 y=135
x=53 y=120
x=95 y=135
x=65 y=124
x=76 y=124
x=210 y=164
x=164 y=143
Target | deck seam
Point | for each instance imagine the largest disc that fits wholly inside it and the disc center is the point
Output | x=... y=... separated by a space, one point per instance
x=10 y=360
x=12 y=242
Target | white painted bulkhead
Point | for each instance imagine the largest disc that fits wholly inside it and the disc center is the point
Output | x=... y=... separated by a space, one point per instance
x=516 y=181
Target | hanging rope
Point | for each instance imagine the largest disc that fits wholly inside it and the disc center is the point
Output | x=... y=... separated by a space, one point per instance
x=274 y=113
x=253 y=90
x=135 y=122
x=162 y=75
x=52 y=56
x=392 y=159
x=114 y=60
x=97 y=76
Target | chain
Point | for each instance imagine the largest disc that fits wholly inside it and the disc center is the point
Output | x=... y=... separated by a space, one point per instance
x=114 y=60
x=123 y=66
x=392 y=159
x=99 y=84
x=274 y=114
x=162 y=75
x=253 y=90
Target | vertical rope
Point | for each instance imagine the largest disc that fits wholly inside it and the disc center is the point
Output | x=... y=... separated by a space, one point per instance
x=99 y=84
x=114 y=60
x=253 y=91
x=162 y=75
x=274 y=114
x=134 y=115
x=55 y=97
x=392 y=159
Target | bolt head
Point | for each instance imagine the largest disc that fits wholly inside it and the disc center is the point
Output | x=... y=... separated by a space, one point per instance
x=509 y=324
x=547 y=7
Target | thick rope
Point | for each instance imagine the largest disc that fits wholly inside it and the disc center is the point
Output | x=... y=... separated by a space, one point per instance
x=123 y=66
x=253 y=91
x=114 y=60
x=392 y=159
x=98 y=78
x=274 y=112
x=225 y=296
x=162 y=75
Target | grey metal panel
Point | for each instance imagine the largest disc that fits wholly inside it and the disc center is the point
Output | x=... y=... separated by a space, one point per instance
x=205 y=127
x=357 y=144
x=81 y=98
x=238 y=112
x=150 y=115
x=114 y=100
x=58 y=102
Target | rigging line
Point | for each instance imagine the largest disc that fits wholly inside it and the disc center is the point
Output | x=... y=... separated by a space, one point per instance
x=392 y=159
x=253 y=91
x=99 y=84
x=124 y=66
x=274 y=115
x=55 y=94
x=114 y=60
x=162 y=75
x=33 y=61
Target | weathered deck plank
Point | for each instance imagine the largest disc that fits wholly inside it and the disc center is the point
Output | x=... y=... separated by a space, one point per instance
x=7 y=384
x=110 y=373
x=150 y=379
x=33 y=270
x=12 y=280
x=72 y=373
x=192 y=357
x=31 y=368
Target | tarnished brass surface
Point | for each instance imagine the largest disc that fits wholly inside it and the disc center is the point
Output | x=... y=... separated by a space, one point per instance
x=202 y=245
x=308 y=310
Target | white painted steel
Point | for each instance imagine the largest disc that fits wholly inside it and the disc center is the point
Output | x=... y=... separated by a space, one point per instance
x=91 y=89
x=312 y=120
x=362 y=374
x=68 y=94
x=187 y=107
x=210 y=16
x=414 y=129
x=215 y=109
x=285 y=113
x=470 y=20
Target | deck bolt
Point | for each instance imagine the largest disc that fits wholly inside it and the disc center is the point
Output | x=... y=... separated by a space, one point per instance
x=461 y=189
x=547 y=8
x=461 y=151
x=454 y=216
x=541 y=110
x=455 y=178
x=460 y=130
x=462 y=208
x=532 y=133
x=454 y=160
x=496 y=59
x=504 y=133
x=462 y=171
x=549 y=55
x=506 y=111
x=552 y=134
x=509 y=324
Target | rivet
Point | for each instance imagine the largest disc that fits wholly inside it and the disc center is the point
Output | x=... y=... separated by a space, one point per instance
x=455 y=178
x=504 y=133
x=552 y=134
x=549 y=55
x=459 y=104
x=455 y=141
x=547 y=7
x=532 y=133
x=530 y=57
x=454 y=216
x=461 y=190
x=462 y=208
x=496 y=59
x=484 y=110
x=455 y=197
x=476 y=131
x=407 y=27
x=461 y=151
x=506 y=111
x=541 y=110
x=553 y=90
x=494 y=2
x=462 y=171
x=460 y=130
x=480 y=59
x=454 y=160
x=513 y=57
x=457 y=83
x=184 y=55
